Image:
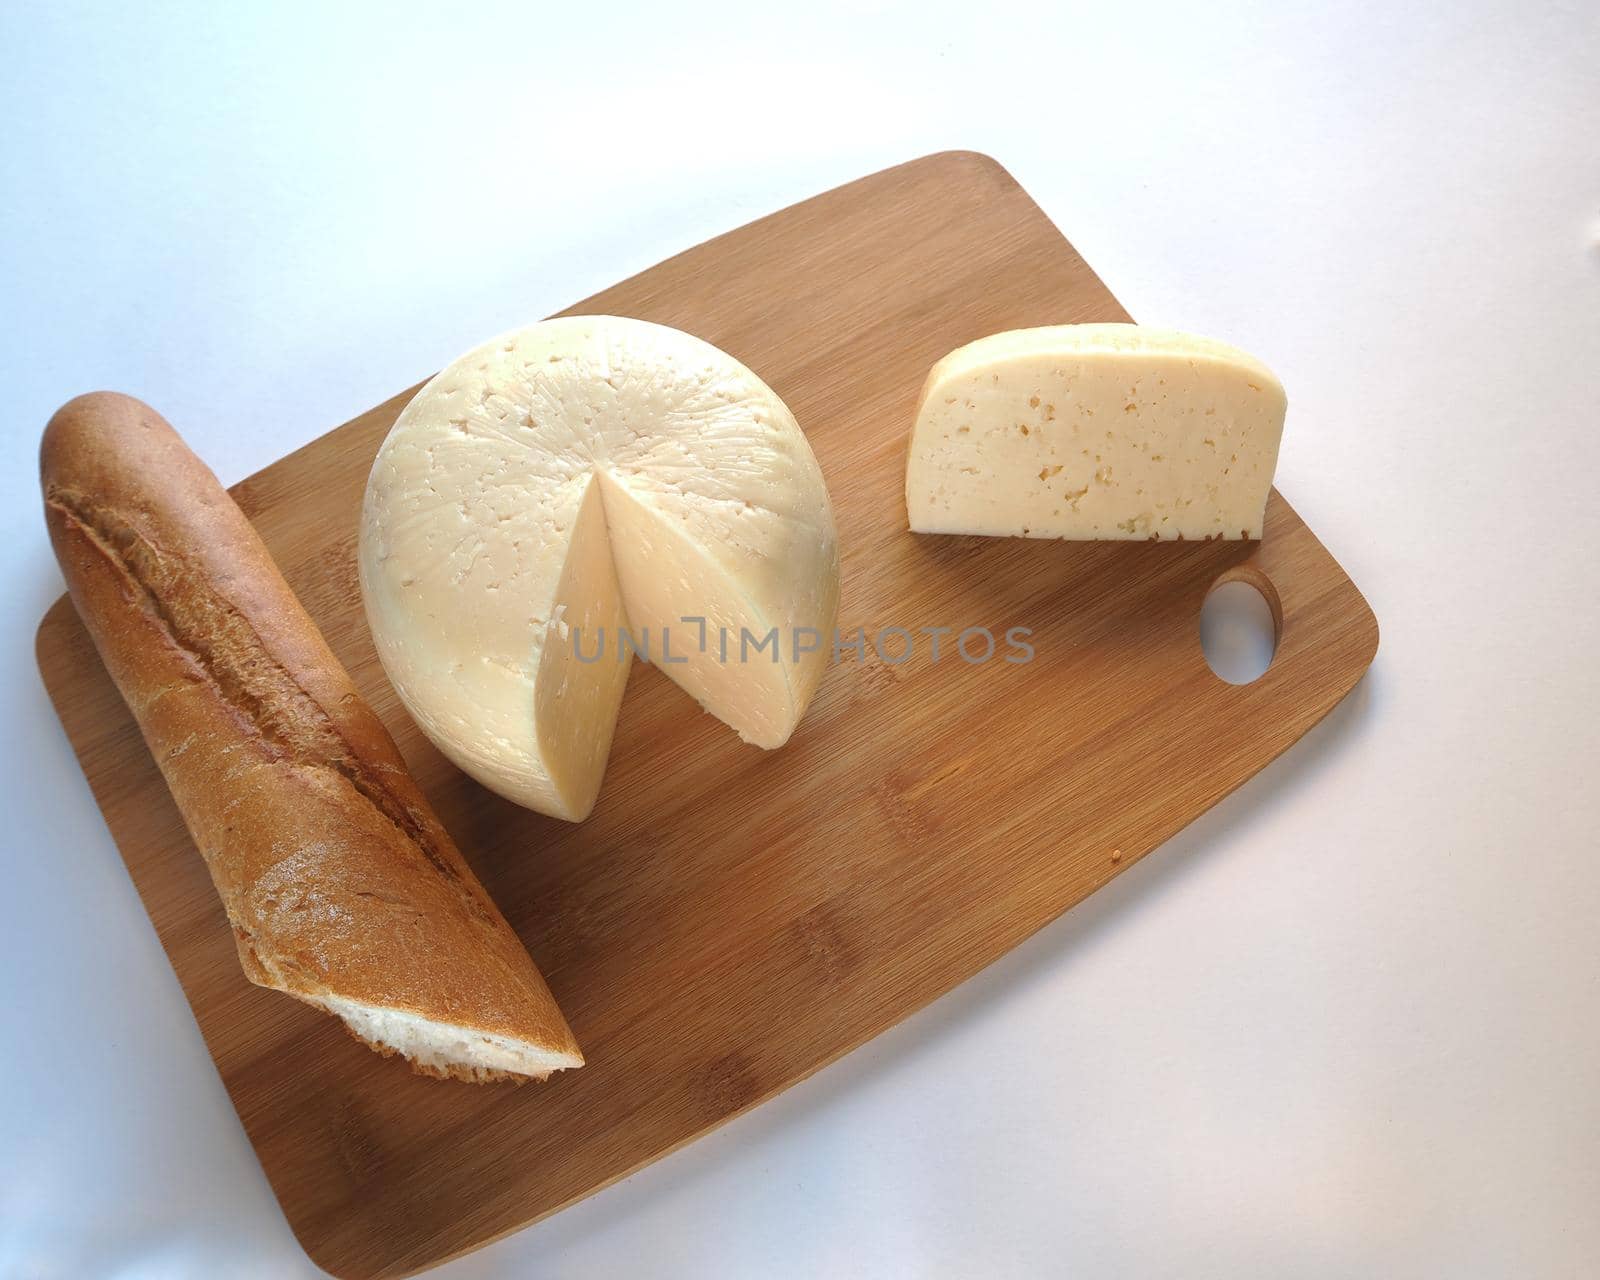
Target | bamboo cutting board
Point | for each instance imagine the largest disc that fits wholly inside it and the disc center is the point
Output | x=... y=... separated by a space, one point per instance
x=730 y=920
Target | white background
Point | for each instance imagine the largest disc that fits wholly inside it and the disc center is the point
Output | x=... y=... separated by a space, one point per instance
x=1346 y=1025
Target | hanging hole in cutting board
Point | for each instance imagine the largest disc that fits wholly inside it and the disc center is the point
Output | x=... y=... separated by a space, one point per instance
x=1239 y=626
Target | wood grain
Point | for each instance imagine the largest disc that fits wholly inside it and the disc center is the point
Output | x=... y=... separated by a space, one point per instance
x=730 y=920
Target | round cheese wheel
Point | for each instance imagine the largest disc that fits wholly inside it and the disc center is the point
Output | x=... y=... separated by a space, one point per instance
x=560 y=498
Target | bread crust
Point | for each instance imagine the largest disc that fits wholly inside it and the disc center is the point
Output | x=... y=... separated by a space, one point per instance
x=336 y=876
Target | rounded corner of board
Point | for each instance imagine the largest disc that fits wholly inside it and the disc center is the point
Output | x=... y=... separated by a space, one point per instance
x=1371 y=632
x=967 y=162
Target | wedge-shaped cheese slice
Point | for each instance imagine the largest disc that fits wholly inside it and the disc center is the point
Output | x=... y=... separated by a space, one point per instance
x=1095 y=431
x=571 y=480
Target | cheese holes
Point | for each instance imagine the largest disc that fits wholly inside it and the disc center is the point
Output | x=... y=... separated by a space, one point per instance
x=1239 y=625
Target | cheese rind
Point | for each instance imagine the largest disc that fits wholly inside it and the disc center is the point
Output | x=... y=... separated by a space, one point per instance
x=1095 y=431
x=564 y=482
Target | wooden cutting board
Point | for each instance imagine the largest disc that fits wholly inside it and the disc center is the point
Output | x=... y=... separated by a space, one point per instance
x=730 y=920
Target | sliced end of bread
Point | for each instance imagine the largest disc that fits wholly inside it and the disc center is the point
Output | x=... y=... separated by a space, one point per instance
x=445 y=1050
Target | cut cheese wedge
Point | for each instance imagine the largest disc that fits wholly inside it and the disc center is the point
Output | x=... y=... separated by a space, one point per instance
x=1095 y=431
x=571 y=494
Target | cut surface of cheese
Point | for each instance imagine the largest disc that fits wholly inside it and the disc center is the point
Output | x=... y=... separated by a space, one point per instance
x=572 y=494
x=1095 y=431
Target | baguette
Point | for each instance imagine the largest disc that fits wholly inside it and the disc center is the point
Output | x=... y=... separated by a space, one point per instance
x=342 y=888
